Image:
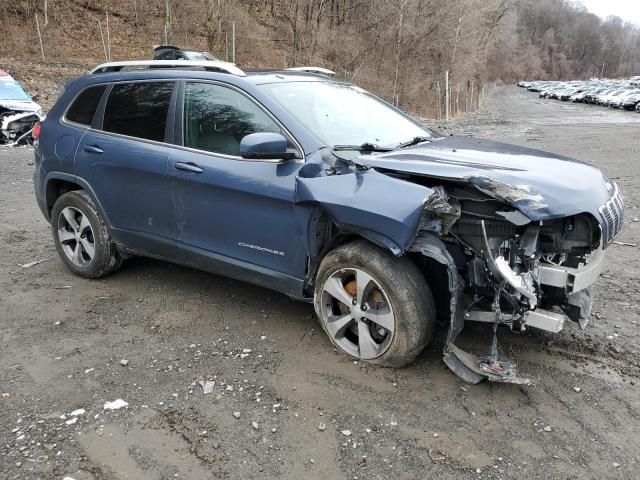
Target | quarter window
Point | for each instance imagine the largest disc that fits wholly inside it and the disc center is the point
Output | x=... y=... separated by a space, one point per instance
x=85 y=105
x=216 y=118
x=138 y=109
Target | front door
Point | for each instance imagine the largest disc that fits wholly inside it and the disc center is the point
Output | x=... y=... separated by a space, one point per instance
x=236 y=211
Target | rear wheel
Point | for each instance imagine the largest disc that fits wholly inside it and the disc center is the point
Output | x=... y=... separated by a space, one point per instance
x=81 y=236
x=374 y=306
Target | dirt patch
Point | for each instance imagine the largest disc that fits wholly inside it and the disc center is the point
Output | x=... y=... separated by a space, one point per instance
x=63 y=339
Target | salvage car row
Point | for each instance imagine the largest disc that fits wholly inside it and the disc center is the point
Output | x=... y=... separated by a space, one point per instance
x=623 y=94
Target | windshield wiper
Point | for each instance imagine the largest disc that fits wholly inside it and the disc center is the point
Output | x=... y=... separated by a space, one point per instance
x=365 y=147
x=414 y=141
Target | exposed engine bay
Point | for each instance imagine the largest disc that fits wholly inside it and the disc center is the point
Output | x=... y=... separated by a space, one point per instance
x=505 y=266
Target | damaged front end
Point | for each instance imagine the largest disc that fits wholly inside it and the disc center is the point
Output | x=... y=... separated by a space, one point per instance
x=502 y=237
x=17 y=120
x=505 y=269
x=18 y=112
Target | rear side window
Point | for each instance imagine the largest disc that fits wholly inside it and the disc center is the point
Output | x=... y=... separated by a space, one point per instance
x=138 y=109
x=85 y=105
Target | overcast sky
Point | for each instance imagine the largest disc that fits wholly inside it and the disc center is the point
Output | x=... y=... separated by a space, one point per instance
x=625 y=9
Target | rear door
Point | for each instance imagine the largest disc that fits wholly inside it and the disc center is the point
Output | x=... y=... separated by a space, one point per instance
x=123 y=158
x=235 y=210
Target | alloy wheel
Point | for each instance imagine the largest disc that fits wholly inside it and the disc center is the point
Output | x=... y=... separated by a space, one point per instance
x=76 y=236
x=357 y=313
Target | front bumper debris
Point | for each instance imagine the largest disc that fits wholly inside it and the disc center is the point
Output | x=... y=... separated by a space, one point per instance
x=538 y=318
x=473 y=369
x=575 y=282
x=571 y=279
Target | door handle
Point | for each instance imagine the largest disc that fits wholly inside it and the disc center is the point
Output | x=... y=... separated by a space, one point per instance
x=92 y=149
x=188 y=167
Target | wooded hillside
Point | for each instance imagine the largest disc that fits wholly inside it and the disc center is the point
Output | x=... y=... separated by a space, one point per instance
x=396 y=48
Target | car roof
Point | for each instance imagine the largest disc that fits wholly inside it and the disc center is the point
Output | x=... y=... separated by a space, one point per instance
x=254 y=76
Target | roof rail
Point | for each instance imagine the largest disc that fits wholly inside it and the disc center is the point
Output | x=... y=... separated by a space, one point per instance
x=212 y=65
x=321 y=70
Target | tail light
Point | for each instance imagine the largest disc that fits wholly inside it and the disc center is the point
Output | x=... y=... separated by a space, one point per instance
x=36 y=131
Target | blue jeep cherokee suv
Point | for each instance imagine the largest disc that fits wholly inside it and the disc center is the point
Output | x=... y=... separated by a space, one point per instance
x=315 y=188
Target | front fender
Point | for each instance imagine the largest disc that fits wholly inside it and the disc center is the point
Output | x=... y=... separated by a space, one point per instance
x=379 y=207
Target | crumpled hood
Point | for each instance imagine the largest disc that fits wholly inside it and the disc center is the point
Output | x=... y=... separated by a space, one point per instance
x=20 y=105
x=541 y=185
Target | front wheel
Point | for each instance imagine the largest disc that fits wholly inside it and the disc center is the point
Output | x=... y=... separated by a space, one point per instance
x=374 y=306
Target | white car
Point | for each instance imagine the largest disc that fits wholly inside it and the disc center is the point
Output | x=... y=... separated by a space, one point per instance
x=18 y=112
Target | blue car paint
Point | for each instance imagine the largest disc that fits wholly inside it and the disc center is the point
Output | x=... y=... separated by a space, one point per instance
x=541 y=185
x=262 y=143
x=236 y=218
x=239 y=209
x=130 y=179
x=369 y=203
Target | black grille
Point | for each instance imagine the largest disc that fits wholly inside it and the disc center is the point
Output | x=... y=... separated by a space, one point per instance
x=613 y=214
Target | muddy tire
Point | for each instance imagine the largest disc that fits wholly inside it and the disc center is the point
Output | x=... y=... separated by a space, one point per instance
x=81 y=236
x=374 y=306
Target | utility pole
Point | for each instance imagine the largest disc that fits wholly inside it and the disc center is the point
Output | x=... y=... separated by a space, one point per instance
x=104 y=45
x=447 y=106
x=233 y=42
x=108 y=36
x=167 y=21
x=39 y=37
x=439 y=100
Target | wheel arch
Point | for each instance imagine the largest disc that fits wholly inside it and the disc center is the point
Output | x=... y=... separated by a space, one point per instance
x=326 y=234
x=330 y=235
x=59 y=183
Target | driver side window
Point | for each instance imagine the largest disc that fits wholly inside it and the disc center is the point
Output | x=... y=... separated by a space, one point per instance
x=216 y=118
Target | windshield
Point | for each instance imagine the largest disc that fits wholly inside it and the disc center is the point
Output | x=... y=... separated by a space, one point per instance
x=11 y=90
x=199 y=56
x=342 y=114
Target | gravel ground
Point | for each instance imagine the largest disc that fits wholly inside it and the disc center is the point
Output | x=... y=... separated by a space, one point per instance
x=284 y=403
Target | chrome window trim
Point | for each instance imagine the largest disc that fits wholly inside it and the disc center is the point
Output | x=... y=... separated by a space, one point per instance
x=128 y=137
x=64 y=118
x=182 y=147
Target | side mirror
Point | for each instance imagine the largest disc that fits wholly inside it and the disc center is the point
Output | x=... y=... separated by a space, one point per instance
x=265 y=146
